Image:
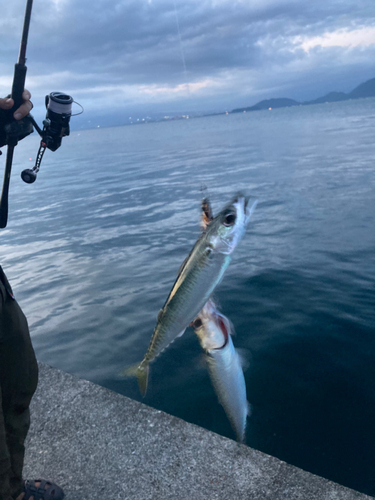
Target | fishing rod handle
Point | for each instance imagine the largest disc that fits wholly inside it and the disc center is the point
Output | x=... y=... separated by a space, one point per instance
x=18 y=85
x=5 y=190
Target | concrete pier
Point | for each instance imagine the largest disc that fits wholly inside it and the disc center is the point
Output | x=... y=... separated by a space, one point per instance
x=97 y=445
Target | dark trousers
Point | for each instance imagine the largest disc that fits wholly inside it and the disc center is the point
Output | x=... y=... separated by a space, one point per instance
x=18 y=381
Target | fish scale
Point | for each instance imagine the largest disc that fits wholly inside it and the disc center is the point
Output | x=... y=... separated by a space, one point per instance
x=199 y=275
x=182 y=308
x=228 y=380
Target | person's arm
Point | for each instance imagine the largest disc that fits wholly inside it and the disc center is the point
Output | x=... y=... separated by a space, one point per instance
x=21 y=112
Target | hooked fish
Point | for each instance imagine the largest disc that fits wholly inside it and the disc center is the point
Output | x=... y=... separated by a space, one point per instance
x=199 y=274
x=214 y=331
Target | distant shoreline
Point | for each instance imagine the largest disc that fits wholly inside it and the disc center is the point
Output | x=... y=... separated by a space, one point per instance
x=362 y=91
x=366 y=89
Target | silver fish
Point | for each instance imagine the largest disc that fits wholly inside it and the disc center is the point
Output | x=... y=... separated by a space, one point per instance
x=214 y=332
x=199 y=275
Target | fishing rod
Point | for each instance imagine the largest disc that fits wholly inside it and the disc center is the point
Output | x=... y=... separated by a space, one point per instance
x=55 y=125
x=19 y=78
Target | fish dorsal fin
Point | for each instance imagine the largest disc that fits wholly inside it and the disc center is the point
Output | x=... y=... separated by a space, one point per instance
x=207 y=215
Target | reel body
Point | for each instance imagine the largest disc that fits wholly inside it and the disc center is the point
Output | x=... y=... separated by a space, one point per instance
x=55 y=127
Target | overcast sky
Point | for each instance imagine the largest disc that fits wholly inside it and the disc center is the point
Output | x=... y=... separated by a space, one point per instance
x=140 y=57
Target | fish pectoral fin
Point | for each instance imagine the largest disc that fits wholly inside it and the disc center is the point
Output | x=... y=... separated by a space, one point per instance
x=249 y=409
x=245 y=357
x=139 y=371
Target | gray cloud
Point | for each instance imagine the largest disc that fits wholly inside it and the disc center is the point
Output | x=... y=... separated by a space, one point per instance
x=131 y=52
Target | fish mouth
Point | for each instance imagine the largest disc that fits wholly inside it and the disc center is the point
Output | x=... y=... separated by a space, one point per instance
x=242 y=200
x=244 y=204
x=249 y=209
x=223 y=324
x=238 y=199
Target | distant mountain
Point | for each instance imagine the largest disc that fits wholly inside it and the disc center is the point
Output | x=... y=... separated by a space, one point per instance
x=330 y=97
x=366 y=89
x=282 y=102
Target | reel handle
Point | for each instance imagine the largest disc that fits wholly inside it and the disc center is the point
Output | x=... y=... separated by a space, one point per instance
x=28 y=175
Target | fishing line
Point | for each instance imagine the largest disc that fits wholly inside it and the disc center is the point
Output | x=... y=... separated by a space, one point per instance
x=181 y=47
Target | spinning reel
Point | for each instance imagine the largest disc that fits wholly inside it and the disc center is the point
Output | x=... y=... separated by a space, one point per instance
x=55 y=127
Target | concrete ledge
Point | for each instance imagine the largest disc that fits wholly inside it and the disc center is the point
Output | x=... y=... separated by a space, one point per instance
x=98 y=445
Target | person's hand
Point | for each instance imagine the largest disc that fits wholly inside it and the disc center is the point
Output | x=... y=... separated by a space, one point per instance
x=23 y=110
x=21 y=127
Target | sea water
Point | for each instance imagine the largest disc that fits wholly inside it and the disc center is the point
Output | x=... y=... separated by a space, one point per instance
x=93 y=247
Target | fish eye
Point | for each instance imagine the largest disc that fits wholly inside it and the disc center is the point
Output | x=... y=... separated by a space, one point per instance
x=229 y=219
x=197 y=323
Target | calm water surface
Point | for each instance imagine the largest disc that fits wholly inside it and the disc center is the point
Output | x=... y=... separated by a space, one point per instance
x=93 y=247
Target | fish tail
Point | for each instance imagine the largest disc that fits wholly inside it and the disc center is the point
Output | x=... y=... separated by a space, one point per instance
x=240 y=436
x=142 y=377
x=241 y=433
x=141 y=372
